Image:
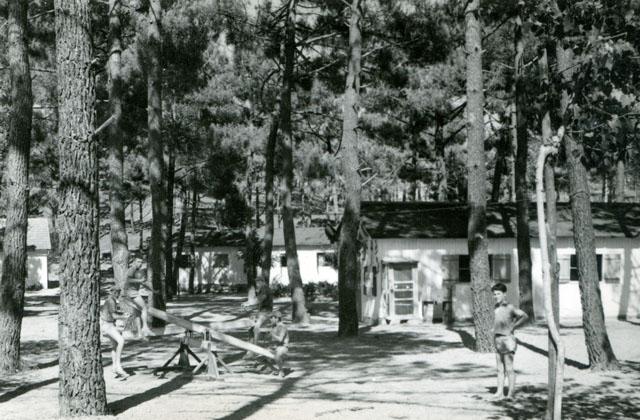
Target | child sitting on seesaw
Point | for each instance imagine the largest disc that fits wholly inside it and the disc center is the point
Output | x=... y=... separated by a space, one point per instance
x=280 y=335
x=108 y=315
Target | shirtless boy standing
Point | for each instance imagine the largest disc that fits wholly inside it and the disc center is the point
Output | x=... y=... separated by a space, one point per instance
x=507 y=319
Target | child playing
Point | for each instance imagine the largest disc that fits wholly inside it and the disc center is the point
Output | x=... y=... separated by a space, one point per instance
x=108 y=313
x=139 y=293
x=507 y=319
x=280 y=335
x=264 y=304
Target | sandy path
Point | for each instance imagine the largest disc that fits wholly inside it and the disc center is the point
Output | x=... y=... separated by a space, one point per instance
x=397 y=371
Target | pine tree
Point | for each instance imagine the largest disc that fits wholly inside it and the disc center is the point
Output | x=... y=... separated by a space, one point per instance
x=82 y=388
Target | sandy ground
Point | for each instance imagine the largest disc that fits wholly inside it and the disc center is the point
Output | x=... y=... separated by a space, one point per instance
x=407 y=371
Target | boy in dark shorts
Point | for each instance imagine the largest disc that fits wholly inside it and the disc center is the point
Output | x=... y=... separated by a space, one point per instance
x=507 y=319
x=108 y=315
x=138 y=291
x=280 y=335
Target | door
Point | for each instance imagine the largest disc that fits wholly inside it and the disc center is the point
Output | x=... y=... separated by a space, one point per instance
x=403 y=291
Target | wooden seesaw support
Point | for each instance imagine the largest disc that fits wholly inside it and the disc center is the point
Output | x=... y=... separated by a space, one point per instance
x=207 y=345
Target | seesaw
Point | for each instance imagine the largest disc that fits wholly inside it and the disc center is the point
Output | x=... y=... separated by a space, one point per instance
x=209 y=335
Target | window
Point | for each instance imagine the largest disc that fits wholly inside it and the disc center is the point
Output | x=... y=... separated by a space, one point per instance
x=455 y=268
x=500 y=267
x=449 y=267
x=564 y=261
x=374 y=280
x=612 y=268
x=573 y=267
x=327 y=259
x=283 y=260
x=221 y=260
x=464 y=275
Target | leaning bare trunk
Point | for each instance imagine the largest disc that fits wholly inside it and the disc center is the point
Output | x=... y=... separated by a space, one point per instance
x=267 y=241
x=299 y=312
x=81 y=385
x=552 y=229
x=156 y=159
x=601 y=356
x=119 y=240
x=348 y=272
x=555 y=387
x=16 y=189
x=476 y=174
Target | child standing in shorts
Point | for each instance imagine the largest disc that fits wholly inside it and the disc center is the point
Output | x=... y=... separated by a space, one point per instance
x=507 y=319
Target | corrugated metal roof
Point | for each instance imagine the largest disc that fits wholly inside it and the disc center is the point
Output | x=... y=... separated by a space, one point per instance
x=449 y=220
x=38 y=236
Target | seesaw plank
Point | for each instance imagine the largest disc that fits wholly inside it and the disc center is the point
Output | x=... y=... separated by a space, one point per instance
x=199 y=328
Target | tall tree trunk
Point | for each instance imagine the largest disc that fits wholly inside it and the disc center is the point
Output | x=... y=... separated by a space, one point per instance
x=250 y=261
x=299 y=312
x=180 y=245
x=552 y=227
x=521 y=182
x=16 y=189
x=81 y=385
x=476 y=173
x=348 y=271
x=500 y=168
x=620 y=180
x=119 y=241
x=156 y=158
x=192 y=243
x=441 y=161
x=141 y=233
x=601 y=356
x=267 y=240
x=168 y=247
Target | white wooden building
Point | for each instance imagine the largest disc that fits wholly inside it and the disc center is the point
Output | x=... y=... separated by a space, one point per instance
x=219 y=258
x=38 y=247
x=415 y=258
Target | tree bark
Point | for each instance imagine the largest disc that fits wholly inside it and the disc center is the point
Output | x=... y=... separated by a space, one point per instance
x=477 y=229
x=552 y=233
x=348 y=271
x=15 y=188
x=546 y=149
x=192 y=244
x=168 y=247
x=81 y=384
x=601 y=356
x=500 y=168
x=299 y=312
x=521 y=183
x=119 y=240
x=180 y=245
x=156 y=159
x=620 y=180
x=267 y=240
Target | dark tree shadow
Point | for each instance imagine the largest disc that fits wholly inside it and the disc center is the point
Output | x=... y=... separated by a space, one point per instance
x=601 y=401
x=120 y=406
x=545 y=353
x=256 y=405
x=468 y=340
x=23 y=389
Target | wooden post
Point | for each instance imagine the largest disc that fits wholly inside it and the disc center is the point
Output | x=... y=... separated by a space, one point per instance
x=546 y=150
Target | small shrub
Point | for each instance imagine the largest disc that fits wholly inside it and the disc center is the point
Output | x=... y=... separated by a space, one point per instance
x=310 y=292
x=279 y=290
x=328 y=290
